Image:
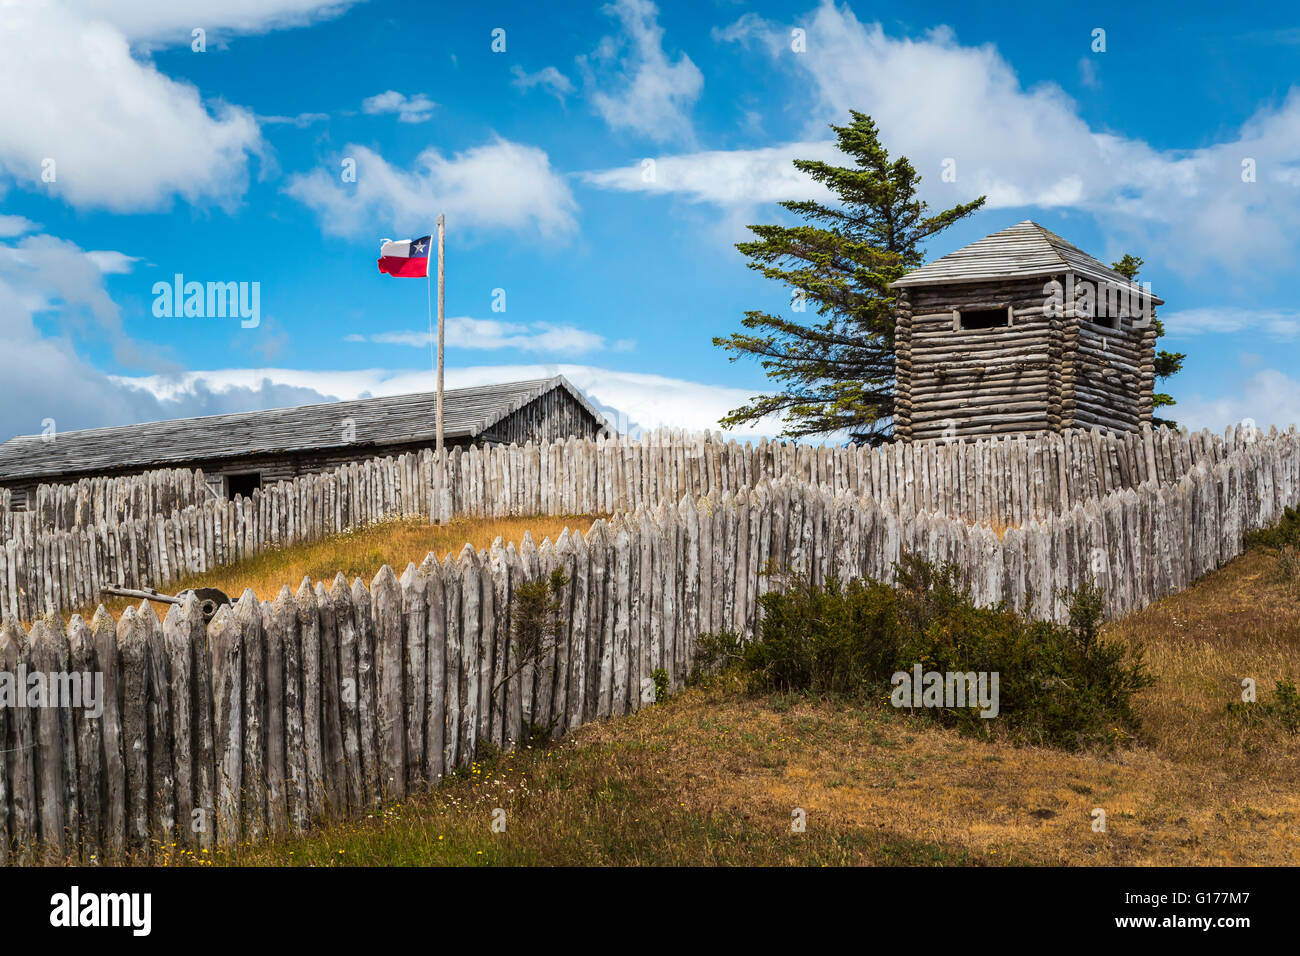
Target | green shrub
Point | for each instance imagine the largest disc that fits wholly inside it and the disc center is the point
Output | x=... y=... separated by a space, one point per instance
x=660 y=678
x=1284 y=533
x=1285 y=706
x=1065 y=686
x=537 y=625
x=1280 y=710
x=716 y=652
x=1288 y=567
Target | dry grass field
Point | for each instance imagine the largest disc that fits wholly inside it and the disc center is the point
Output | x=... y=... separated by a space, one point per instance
x=361 y=553
x=713 y=775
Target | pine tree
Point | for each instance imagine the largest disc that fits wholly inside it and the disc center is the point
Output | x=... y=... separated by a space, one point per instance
x=836 y=371
x=1166 y=363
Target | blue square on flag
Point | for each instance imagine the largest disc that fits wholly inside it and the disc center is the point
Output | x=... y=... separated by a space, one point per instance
x=406 y=258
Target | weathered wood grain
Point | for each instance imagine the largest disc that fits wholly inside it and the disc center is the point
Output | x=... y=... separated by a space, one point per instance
x=368 y=733
x=180 y=661
x=390 y=711
x=436 y=669
x=313 y=722
x=415 y=637
x=133 y=655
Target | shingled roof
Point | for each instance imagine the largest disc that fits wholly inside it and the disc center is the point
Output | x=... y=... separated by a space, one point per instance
x=1023 y=251
x=389 y=420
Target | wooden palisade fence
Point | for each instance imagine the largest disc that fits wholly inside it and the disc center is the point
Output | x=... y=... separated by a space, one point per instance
x=968 y=479
x=334 y=700
x=106 y=531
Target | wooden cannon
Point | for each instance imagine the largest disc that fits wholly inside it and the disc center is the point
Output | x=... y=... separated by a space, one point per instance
x=210 y=599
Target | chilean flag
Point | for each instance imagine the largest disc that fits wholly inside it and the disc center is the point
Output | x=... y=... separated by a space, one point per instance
x=407 y=259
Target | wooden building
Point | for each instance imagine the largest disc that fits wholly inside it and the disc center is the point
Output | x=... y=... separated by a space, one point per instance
x=240 y=451
x=1021 y=332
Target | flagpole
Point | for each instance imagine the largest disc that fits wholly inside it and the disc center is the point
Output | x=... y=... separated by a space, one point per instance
x=433 y=362
x=442 y=309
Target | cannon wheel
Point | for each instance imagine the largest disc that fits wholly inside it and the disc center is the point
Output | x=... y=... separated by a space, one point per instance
x=210 y=600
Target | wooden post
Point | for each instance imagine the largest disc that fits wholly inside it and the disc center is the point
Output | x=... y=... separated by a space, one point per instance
x=364 y=622
x=176 y=640
x=227 y=648
x=284 y=614
x=415 y=614
x=248 y=618
x=341 y=602
x=82 y=658
x=309 y=635
x=49 y=740
x=386 y=595
x=436 y=722
x=331 y=689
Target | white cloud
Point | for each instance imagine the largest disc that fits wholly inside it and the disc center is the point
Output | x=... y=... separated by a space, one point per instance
x=501 y=185
x=1274 y=323
x=48 y=274
x=168 y=23
x=111 y=129
x=549 y=78
x=415 y=109
x=11 y=226
x=468 y=333
x=934 y=99
x=301 y=120
x=43 y=375
x=1269 y=397
x=1088 y=73
x=632 y=400
x=725 y=177
x=633 y=83
x=112 y=263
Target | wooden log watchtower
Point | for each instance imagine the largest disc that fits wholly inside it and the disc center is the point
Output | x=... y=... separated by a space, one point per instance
x=1021 y=333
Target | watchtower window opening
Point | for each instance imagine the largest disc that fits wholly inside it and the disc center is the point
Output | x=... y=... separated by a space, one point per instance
x=982 y=318
x=243 y=484
x=1112 y=304
x=1105 y=315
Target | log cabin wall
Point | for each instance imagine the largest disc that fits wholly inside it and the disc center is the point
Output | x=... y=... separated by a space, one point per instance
x=1110 y=372
x=1048 y=370
x=1063 y=341
x=959 y=383
x=1147 y=370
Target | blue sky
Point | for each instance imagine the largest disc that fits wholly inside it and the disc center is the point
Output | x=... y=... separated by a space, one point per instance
x=225 y=165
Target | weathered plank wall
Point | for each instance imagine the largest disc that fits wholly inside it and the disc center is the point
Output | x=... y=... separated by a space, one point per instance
x=328 y=702
x=1006 y=482
x=554 y=416
x=1043 y=371
x=978 y=381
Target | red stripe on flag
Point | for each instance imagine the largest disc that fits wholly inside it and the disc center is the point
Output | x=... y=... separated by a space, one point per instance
x=403 y=268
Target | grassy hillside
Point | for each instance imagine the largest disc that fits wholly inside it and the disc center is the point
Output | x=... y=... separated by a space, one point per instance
x=362 y=553
x=713 y=775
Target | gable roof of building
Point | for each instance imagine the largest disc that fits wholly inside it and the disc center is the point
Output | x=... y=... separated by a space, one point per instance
x=1025 y=250
x=388 y=420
